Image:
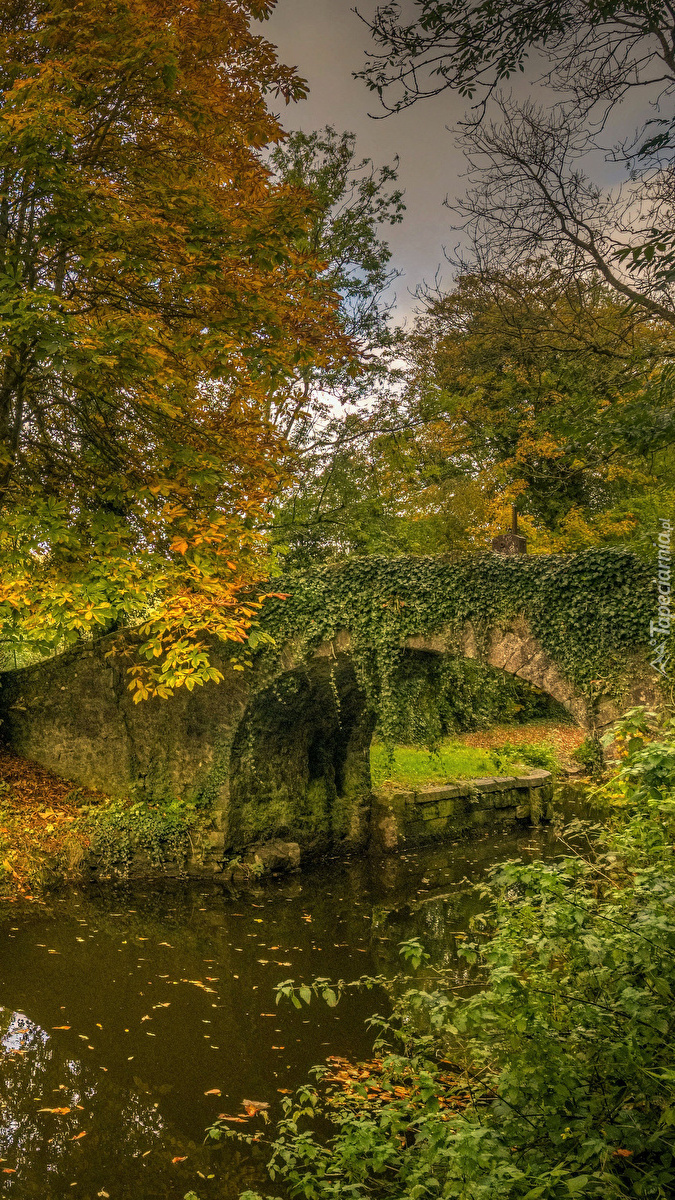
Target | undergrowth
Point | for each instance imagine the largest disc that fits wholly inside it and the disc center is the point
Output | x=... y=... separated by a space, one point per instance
x=553 y=1074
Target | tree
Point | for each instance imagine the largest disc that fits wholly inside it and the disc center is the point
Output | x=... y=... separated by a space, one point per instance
x=156 y=288
x=529 y=192
x=338 y=407
x=537 y=390
x=353 y=201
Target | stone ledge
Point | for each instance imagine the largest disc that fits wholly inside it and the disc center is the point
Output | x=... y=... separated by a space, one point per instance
x=412 y=818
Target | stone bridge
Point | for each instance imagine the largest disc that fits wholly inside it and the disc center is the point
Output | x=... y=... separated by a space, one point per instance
x=282 y=749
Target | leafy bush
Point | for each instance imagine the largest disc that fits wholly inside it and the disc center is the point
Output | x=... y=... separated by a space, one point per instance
x=589 y=754
x=439 y=696
x=119 y=830
x=555 y=1077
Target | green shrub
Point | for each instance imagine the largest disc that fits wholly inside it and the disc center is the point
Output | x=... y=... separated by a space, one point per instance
x=160 y=833
x=590 y=755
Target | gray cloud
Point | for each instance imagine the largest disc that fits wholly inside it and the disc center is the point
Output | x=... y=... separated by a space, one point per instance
x=327 y=42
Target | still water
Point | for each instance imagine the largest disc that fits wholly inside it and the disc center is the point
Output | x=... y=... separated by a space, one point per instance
x=128 y=1006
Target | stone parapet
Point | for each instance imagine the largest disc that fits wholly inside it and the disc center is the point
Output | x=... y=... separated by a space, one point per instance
x=416 y=818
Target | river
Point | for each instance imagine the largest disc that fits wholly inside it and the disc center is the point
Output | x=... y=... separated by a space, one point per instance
x=145 y=1012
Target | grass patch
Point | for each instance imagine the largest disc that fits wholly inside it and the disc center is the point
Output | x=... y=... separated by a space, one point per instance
x=504 y=752
x=414 y=766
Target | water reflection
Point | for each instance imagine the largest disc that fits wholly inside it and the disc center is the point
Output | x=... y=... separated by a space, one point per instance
x=133 y=1018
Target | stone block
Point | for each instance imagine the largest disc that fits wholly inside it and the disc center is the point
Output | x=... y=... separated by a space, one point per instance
x=503 y=783
x=506 y=799
x=275 y=856
x=528 y=781
x=483 y=785
x=426 y=812
x=429 y=795
x=446 y=808
x=523 y=812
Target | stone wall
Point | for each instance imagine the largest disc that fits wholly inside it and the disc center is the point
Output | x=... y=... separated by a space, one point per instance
x=401 y=818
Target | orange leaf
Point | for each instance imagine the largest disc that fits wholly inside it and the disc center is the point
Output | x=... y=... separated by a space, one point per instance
x=179 y=1159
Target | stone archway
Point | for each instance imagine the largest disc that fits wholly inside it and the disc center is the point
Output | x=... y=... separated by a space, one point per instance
x=513 y=649
x=283 y=748
x=299 y=764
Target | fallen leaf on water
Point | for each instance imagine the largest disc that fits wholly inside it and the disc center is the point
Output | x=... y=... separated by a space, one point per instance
x=213 y=1092
x=78 y=1136
x=284 y=1091
x=146 y=1018
x=254 y=1106
x=105 y=1195
x=146 y=1153
x=278 y=1047
x=60 y=1111
x=179 y=1159
x=165 y=944
x=9 y=1170
x=60 y=1026
x=258 y=920
x=269 y=1014
x=239 y=1120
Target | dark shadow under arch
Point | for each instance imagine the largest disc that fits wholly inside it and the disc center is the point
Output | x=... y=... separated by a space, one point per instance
x=299 y=765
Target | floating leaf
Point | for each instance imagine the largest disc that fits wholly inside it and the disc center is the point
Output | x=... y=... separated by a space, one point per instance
x=254 y=1106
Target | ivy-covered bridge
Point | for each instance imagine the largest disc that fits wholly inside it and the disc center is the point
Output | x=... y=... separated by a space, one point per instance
x=281 y=747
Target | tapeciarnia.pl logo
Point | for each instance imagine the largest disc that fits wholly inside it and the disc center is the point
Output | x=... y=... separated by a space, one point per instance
x=659 y=630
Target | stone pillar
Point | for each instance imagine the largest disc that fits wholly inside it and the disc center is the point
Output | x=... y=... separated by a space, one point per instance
x=513 y=542
x=509 y=543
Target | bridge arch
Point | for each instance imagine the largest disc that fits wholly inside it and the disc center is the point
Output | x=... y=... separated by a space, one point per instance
x=282 y=749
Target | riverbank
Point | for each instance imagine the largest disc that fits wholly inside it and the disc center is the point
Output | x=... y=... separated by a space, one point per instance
x=53 y=832
x=547 y=744
x=40 y=837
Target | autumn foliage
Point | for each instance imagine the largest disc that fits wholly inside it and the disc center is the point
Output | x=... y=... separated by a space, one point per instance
x=156 y=292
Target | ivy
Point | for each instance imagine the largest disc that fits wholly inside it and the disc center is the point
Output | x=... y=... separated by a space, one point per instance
x=589 y=612
x=120 y=832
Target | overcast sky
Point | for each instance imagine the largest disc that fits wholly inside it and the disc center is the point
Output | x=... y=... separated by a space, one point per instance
x=327 y=42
